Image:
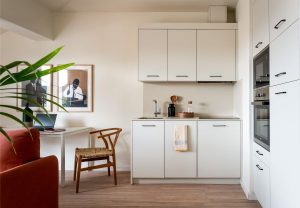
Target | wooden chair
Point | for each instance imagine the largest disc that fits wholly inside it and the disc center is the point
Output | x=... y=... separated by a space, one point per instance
x=110 y=137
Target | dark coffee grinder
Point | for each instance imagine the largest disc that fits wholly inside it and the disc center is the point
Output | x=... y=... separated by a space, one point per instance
x=171 y=108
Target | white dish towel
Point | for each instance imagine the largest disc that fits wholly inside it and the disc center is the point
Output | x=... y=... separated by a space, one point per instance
x=180 y=138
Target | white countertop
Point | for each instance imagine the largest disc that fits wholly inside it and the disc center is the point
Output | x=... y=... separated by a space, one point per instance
x=227 y=118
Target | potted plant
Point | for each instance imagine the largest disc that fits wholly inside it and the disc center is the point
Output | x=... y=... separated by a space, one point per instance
x=30 y=72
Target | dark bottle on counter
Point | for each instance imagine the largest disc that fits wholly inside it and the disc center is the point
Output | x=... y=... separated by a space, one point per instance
x=26 y=118
x=171 y=110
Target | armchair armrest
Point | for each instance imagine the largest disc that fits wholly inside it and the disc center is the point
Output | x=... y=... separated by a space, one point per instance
x=34 y=184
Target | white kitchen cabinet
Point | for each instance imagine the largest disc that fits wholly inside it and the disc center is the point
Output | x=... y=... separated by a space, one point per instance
x=285 y=145
x=216 y=55
x=181 y=164
x=148 y=149
x=261 y=153
x=219 y=149
x=153 y=55
x=282 y=14
x=285 y=56
x=181 y=55
x=261 y=185
x=260 y=25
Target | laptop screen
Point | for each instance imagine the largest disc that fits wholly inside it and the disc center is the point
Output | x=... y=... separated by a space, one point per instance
x=45 y=120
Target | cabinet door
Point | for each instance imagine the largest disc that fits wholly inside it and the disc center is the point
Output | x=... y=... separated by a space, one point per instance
x=181 y=55
x=285 y=56
x=180 y=164
x=261 y=185
x=153 y=55
x=219 y=149
x=215 y=55
x=260 y=25
x=282 y=14
x=285 y=145
x=148 y=149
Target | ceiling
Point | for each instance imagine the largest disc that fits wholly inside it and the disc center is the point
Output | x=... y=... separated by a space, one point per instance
x=133 y=5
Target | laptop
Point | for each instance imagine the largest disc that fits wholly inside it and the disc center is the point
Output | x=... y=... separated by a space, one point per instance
x=46 y=121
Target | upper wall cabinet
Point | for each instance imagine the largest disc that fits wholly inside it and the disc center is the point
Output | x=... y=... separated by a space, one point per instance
x=153 y=55
x=260 y=25
x=181 y=55
x=284 y=56
x=282 y=14
x=187 y=52
x=216 y=55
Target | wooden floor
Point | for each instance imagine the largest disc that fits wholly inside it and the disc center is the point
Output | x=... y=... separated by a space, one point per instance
x=97 y=190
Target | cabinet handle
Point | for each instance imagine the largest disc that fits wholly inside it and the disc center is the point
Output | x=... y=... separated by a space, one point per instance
x=259 y=153
x=259 y=167
x=215 y=76
x=182 y=76
x=152 y=75
x=279 y=93
x=258 y=44
x=278 y=25
x=219 y=125
x=280 y=74
x=148 y=125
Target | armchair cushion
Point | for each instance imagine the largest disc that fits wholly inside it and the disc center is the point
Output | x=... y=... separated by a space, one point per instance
x=27 y=148
x=34 y=184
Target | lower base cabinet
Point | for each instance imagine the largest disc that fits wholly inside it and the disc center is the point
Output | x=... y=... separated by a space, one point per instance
x=261 y=185
x=148 y=149
x=213 y=150
x=181 y=164
x=219 y=149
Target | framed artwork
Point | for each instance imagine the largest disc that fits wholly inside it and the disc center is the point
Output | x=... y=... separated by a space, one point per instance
x=37 y=89
x=75 y=88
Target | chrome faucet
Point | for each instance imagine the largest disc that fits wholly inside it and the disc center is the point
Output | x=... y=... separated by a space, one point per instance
x=156 y=112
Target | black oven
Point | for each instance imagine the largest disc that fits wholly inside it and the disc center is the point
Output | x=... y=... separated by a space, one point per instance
x=262 y=123
x=261 y=81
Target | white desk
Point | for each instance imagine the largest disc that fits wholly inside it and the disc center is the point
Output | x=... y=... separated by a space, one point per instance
x=62 y=135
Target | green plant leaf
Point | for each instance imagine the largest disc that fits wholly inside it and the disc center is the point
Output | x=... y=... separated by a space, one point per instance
x=39 y=63
x=17 y=120
x=23 y=111
x=35 y=75
x=8 y=138
x=12 y=65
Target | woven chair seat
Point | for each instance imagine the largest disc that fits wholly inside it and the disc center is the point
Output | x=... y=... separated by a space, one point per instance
x=93 y=152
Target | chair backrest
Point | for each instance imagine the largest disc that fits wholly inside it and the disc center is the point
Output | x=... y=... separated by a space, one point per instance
x=109 y=136
x=27 y=148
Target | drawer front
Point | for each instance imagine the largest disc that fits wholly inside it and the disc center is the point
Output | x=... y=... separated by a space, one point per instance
x=284 y=57
x=148 y=149
x=261 y=174
x=261 y=153
x=219 y=149
x=181 y=164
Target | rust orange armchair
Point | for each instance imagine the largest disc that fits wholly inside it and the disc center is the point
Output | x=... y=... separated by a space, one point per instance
x=26 y=180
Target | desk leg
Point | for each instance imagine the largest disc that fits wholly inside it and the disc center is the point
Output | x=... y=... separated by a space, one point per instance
x=62 y=162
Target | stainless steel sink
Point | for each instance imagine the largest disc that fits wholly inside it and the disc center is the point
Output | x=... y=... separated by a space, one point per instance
x=144 y=117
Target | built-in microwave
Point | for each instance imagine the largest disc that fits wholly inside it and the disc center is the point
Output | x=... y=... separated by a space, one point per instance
x=261 y=69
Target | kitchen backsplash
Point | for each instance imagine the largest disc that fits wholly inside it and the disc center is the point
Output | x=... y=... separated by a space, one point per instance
x=215 y=99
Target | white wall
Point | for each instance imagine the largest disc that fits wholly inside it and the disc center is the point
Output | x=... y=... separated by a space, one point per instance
x=110 y=42
x=26 y=17
x=243 y=90
x=206 y=97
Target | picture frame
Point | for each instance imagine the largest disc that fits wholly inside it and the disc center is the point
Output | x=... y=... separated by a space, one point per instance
x=75 y=88
x=39 y=89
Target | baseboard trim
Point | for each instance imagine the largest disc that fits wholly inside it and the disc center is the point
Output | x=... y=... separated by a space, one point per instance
x=185 y=181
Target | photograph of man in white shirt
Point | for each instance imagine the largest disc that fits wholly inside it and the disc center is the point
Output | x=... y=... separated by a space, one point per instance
x=74 y=94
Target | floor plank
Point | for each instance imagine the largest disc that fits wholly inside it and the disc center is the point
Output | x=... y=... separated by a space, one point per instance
x=97 y=190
